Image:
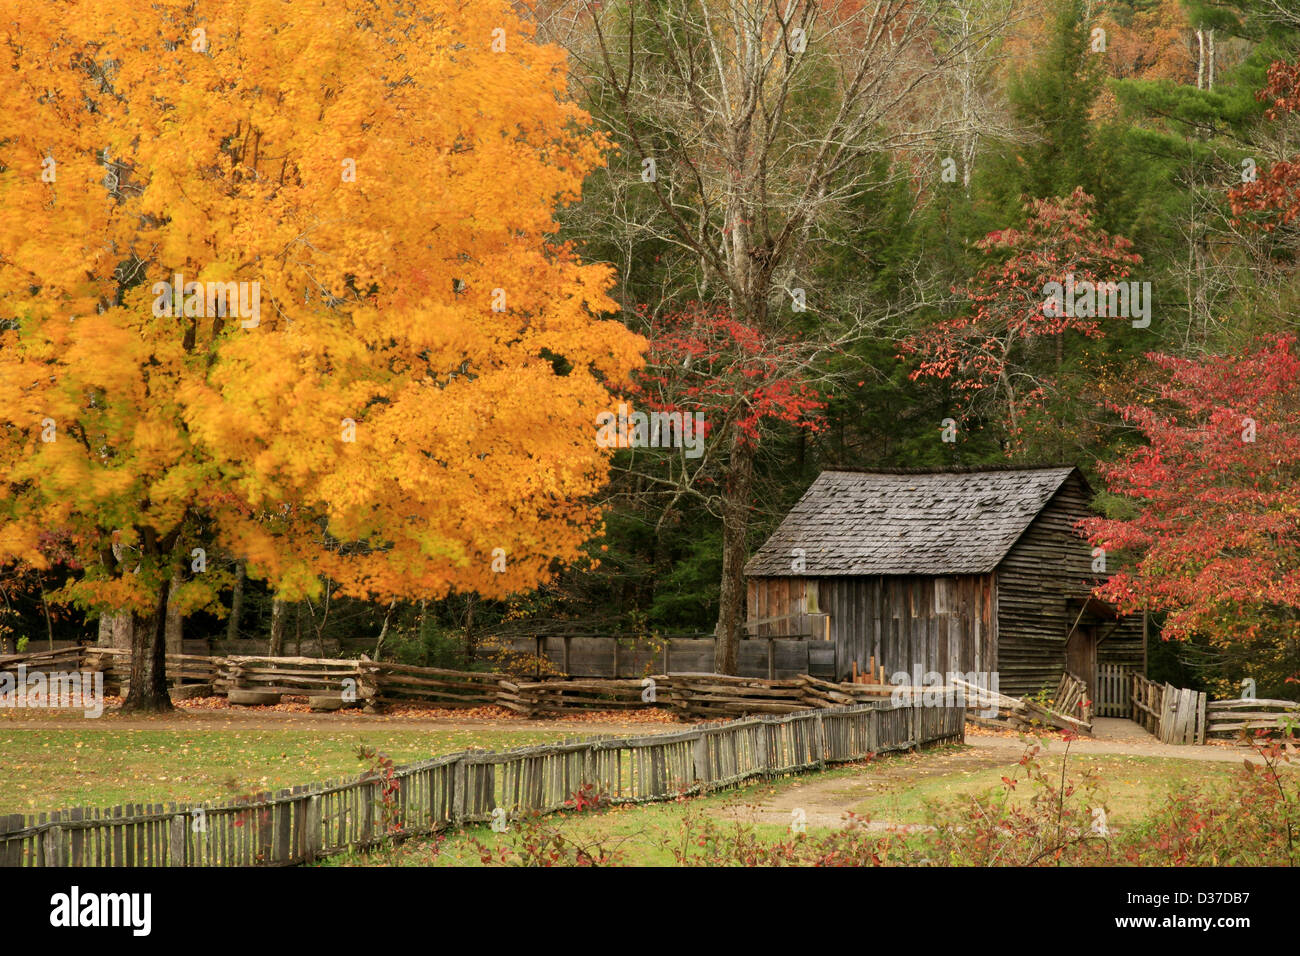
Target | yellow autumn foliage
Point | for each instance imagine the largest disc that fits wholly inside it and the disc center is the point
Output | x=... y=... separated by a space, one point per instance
x=378 y=181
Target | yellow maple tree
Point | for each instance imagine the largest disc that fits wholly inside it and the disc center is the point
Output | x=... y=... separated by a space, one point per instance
x=282 y=279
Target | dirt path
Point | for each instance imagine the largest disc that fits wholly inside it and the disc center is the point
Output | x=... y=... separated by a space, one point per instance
x=1113 y=735
x=825 y=800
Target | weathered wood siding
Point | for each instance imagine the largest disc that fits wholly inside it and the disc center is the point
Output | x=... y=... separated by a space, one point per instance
x=776 y=598
x=1123 y=646
x=1045 y=568
x=626 y=657
x=932 y=623
x=783 y=604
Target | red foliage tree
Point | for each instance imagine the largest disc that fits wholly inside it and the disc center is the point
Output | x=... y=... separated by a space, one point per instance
x=1275 y=196
x=1215 y=492
x=703 y=361
x=1008 y=347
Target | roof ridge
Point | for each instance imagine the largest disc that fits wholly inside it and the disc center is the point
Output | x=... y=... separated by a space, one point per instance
x=865 y=525
x=949 y=470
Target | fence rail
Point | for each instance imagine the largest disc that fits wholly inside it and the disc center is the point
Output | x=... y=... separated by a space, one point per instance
x=333 y=683
x=1228 y=718
x=302 y=824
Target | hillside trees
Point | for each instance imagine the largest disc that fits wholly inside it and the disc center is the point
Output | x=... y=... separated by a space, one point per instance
x=1006 y=357
x=1272 y=200
x=1050 y=103
x=746 y=131
x=397 y=392
x=1180 y=143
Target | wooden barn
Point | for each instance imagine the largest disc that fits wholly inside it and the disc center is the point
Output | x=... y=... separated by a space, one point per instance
x=958 y=570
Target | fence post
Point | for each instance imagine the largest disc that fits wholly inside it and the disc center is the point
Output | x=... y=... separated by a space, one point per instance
x=821 y=740
x=589 y=766
x=176 y=827
x=53 y=845
x=312 y=837
x=701 y=749
x=458 y=792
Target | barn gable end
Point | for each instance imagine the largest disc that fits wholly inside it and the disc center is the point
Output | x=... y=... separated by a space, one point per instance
x=1044 y=583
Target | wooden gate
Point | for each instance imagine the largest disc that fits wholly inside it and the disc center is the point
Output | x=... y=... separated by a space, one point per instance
x=1113 y=691
x=1183 y=719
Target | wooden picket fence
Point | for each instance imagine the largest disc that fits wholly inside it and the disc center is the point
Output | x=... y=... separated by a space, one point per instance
x=1114 y=682
x=303 y=824
x=1183 y=720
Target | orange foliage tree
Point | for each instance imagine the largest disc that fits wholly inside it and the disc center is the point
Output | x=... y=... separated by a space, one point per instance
x=288 y=287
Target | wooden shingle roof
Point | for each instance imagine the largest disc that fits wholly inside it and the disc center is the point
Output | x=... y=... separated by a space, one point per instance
x=851 y=523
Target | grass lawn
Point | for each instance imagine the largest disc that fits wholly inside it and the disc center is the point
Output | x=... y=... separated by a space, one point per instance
x=69 y=766
x=888 y=790
x=640 y=835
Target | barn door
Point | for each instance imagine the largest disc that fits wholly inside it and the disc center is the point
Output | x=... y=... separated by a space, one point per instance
x=1081 y=656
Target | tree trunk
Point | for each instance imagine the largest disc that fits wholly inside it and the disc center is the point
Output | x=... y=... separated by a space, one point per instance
x=236 y=603
x=1200 y=59
x=383 y=631
x=276 y=646
x=1209 y=70
x=469 y=630
x=115 y=630
x=148 y=694
x=735 y=525
x=49 y=622
x=324 y=619
x=175 y=638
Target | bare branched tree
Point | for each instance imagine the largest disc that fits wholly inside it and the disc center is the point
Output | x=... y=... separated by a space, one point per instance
x=750 y=135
